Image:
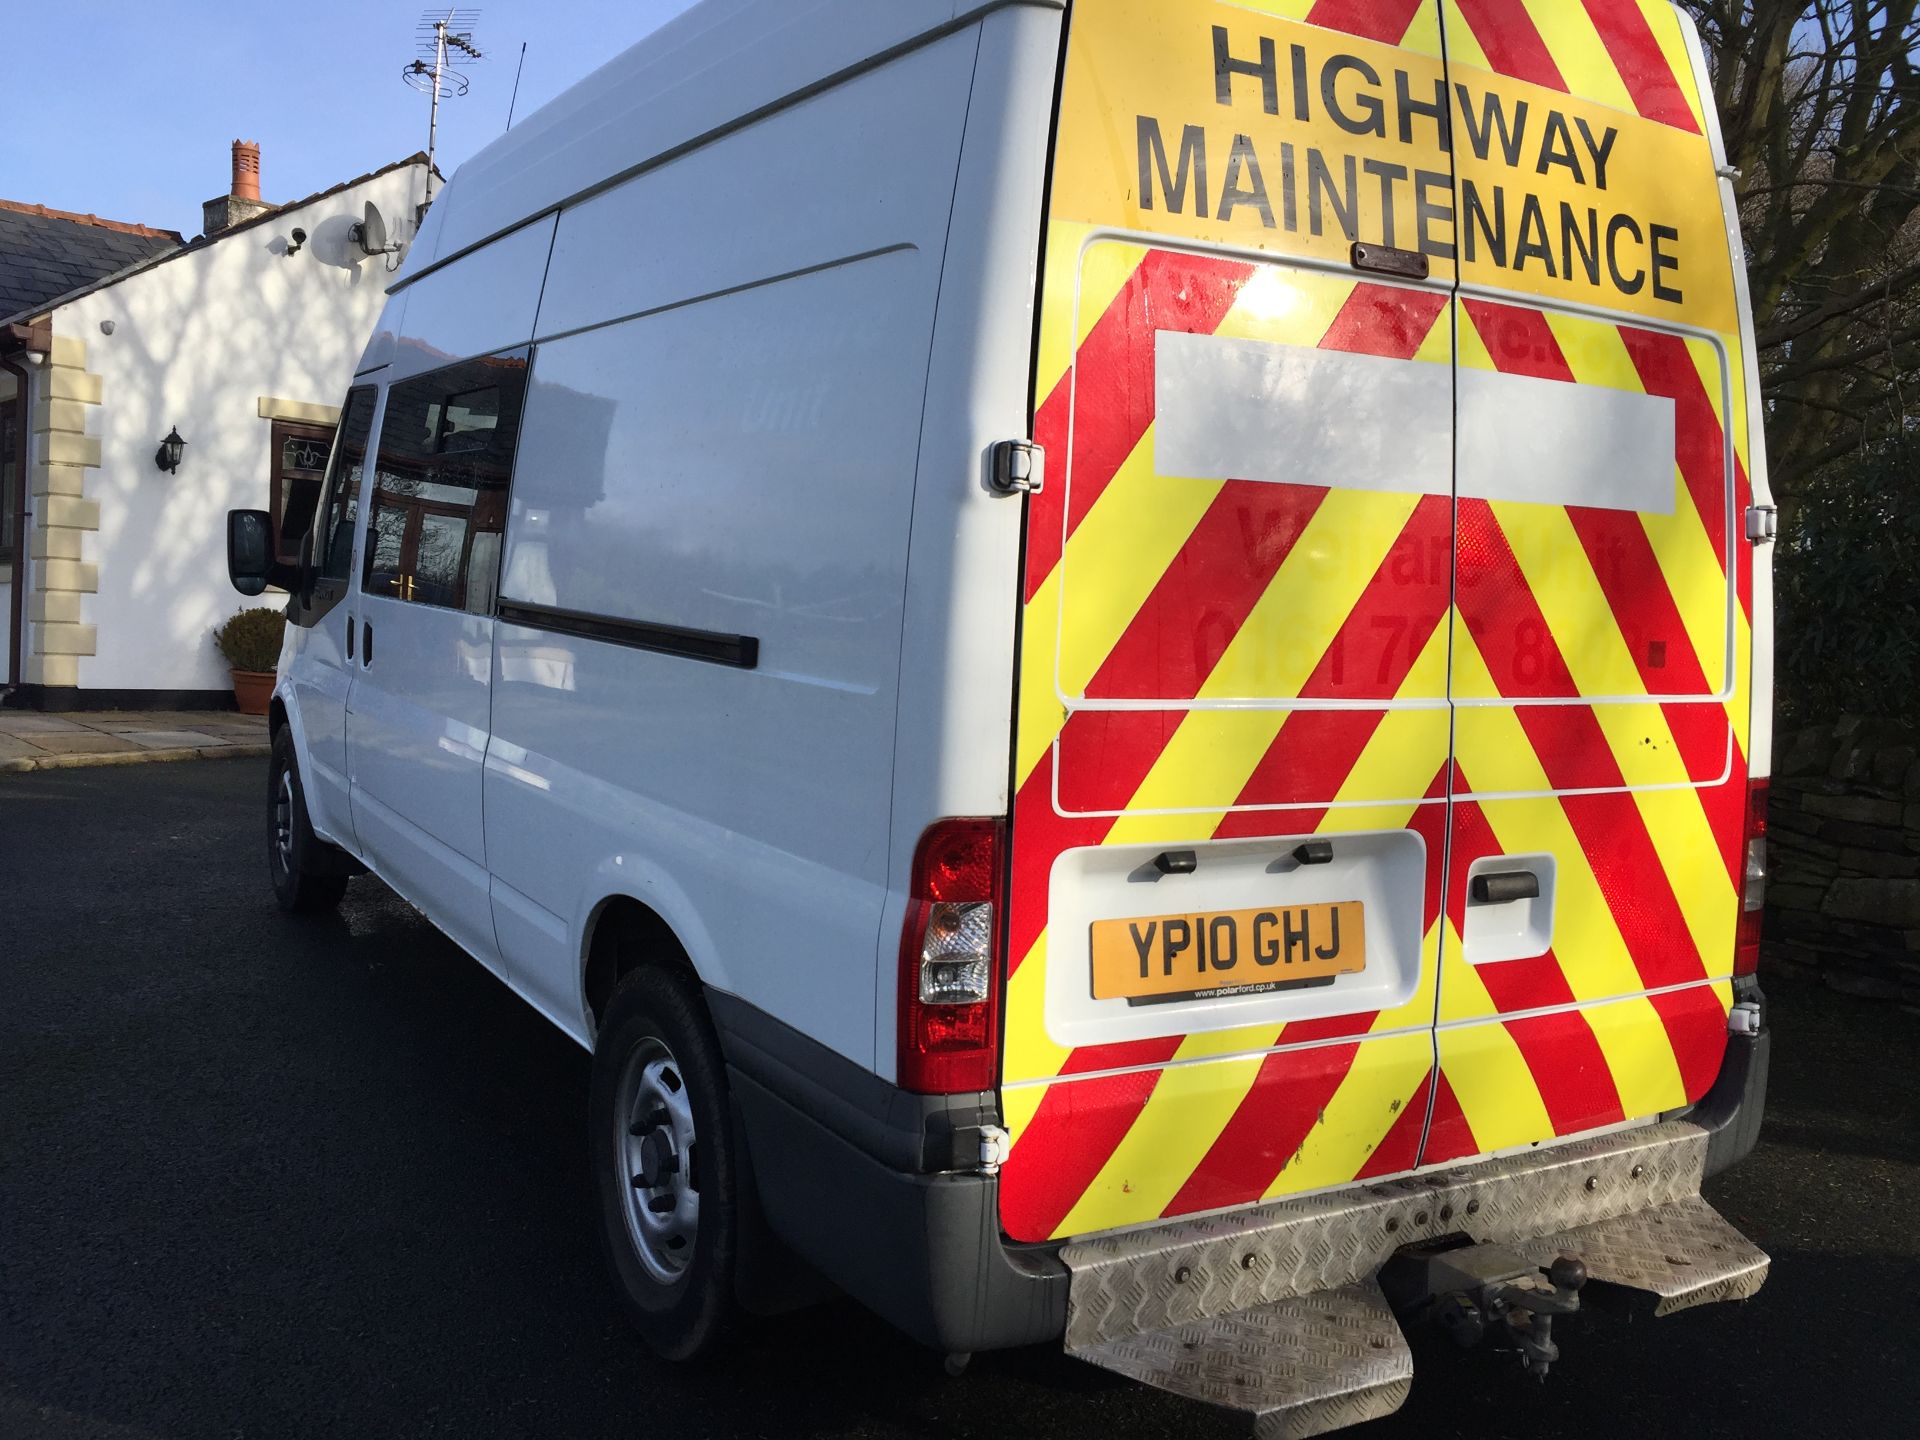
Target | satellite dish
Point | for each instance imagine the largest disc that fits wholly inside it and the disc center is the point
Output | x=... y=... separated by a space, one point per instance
x=371 y=233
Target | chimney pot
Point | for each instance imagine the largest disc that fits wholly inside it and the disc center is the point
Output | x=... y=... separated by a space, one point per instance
x=246 y=170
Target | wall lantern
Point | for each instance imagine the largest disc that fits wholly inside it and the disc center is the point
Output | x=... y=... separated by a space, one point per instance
x=167 y=457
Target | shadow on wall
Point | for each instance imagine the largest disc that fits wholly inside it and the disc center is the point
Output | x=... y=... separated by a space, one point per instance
x=196 y=342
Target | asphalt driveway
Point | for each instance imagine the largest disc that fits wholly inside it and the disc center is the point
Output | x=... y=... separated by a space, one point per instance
x=267 y=1177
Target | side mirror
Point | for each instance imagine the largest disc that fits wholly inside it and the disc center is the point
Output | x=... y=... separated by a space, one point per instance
x=251 y=565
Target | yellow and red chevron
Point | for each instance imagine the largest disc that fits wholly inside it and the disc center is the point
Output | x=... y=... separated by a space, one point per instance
x=1602 y=707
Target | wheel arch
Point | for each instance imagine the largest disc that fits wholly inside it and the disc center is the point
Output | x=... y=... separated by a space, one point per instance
x=623 y=934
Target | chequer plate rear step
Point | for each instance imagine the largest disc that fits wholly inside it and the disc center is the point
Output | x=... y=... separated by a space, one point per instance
x=1275 y=1312
x=1301 y=1366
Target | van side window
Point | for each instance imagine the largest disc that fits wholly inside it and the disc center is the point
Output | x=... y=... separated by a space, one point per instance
x=325 y=531
x=440 y=484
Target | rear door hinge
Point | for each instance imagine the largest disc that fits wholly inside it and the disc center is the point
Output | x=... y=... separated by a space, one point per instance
x=1763 y=523
x=1016 y=467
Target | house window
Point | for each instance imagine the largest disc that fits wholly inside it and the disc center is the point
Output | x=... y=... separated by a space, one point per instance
x=299 y=465
x=9 y=476
x=440 y=489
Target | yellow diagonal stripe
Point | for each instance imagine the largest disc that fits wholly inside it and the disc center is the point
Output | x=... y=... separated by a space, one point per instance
x=1664 y=21
x=1640 y=1056
x=1030 y=1053
x=1496 y=755
x=1367 y=1104
x=1490 y=1079
x=1578 y=53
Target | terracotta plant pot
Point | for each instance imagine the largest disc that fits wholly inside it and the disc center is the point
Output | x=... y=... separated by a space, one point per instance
x=252 y=689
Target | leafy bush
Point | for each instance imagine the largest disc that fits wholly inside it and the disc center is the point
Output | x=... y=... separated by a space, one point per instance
x=250 y=640
x=1847 y=590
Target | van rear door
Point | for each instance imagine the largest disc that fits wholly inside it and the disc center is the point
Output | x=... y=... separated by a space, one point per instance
x=1601 y=642
x=1233 y=734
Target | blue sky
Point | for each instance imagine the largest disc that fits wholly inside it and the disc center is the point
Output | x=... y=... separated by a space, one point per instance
x=127 y=108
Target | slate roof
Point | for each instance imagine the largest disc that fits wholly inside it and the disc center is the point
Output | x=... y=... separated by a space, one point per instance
x=168 y=245
x=45 y=253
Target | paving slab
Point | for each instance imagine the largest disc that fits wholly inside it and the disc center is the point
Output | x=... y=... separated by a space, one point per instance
x=27 y=722
x=170 y=739
x=79 y=742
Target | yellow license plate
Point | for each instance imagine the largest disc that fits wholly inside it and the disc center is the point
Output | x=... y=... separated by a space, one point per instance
x=1166 y=956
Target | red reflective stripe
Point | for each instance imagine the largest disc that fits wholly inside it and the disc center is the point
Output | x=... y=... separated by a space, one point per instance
x=1399 y=1148
x=1507 y=33
x=1574 y=752
x=1666 y=368
x=1266 y=1132
x=1172 y=644
x=1306 y=764
x=1108 y=394
x=1697 y=1030
x=1641 y=62
x=1383 y=20
x=1061 y=1150
x=1519 y=340
x=1449 y=1136
x=1569 y=1070
x=1613 y=836
x=1384 y=320
x=1522 y=343
x=1040 y=832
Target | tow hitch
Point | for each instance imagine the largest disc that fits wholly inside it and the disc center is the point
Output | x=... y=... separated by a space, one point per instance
x=1475 y=1292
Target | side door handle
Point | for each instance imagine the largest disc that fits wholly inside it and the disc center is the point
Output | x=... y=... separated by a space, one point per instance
x=349 y=637
x=366 y=643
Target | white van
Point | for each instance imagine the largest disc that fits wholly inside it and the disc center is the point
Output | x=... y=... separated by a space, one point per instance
x=1114 y=658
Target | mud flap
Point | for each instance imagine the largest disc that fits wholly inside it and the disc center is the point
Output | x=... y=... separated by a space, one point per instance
x=1276 y=1312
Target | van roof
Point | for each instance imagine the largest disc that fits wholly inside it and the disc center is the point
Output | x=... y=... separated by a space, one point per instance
x=720 y=64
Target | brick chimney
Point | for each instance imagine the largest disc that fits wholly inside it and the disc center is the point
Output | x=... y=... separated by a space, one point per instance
x=242 y=200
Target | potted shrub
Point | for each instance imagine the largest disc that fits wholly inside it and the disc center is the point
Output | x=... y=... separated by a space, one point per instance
x=250 y=641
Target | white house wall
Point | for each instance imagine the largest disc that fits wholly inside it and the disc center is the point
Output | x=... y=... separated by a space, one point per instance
x=197 y=343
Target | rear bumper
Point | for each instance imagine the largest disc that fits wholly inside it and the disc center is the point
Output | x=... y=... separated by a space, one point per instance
x=867 y=1183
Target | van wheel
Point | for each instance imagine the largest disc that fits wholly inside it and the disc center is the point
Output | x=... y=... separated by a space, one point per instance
x=306 y=871
x=662 y=1152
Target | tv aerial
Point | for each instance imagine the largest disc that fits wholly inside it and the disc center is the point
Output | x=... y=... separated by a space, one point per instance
x=444 y=40
x=370 y=234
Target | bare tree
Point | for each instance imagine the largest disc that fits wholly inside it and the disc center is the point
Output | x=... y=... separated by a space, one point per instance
x=1818 y=102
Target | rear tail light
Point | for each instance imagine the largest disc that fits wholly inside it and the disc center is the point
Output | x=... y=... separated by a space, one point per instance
x=1753 y=884
x=950 y=961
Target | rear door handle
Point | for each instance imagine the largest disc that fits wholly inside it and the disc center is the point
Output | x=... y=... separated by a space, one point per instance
x=349 y=637
x=366 y=644
x=1501 y=887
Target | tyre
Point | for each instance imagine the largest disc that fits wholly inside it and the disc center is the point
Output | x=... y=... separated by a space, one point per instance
x=661 y=1141
x=308 y=874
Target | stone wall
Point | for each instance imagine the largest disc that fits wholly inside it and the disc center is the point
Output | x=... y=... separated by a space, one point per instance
x=1843 y=846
